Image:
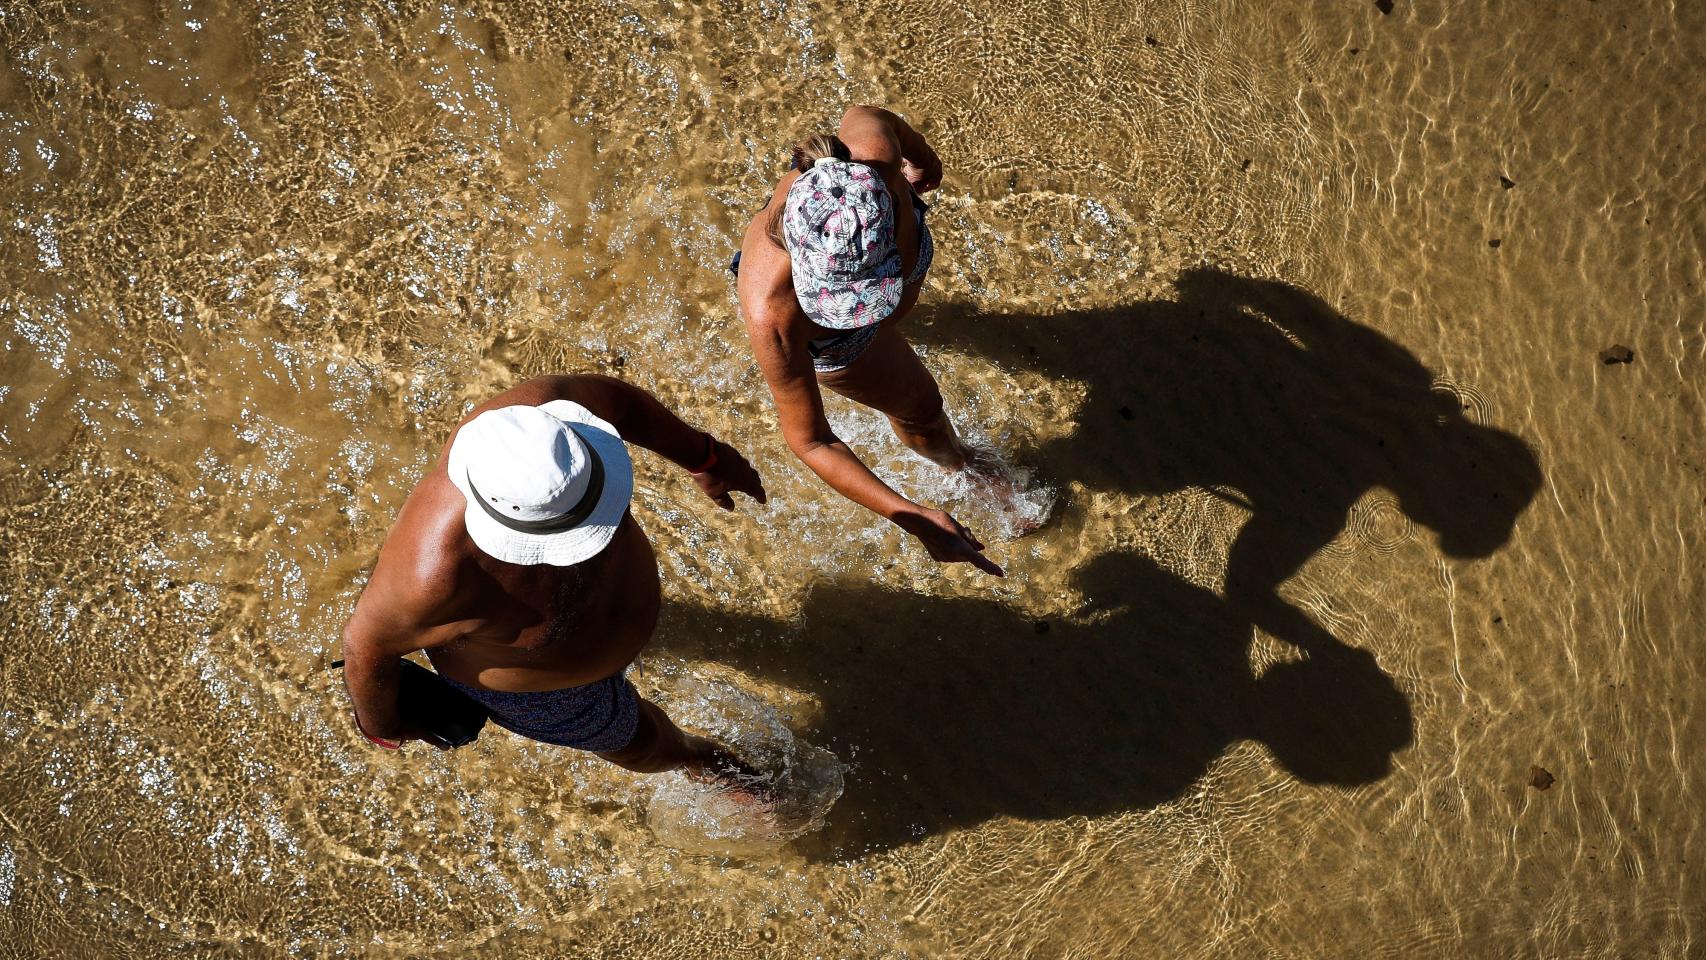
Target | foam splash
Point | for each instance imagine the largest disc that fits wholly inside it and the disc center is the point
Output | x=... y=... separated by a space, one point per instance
x=801 y=781
x=994 y=498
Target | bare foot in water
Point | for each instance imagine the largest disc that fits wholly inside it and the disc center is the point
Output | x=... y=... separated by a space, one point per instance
x=714 y=765
x=993 y=477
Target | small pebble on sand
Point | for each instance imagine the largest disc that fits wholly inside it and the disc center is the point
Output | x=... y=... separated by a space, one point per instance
x=1540 y=778
x=1506 y=182
x=1616 y=353
x=1384 y=6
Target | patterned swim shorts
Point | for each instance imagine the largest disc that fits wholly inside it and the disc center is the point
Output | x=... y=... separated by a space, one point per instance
x=600 y=716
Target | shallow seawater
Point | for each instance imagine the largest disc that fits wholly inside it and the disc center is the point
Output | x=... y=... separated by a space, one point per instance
x=796 y=784
x=1362 y=619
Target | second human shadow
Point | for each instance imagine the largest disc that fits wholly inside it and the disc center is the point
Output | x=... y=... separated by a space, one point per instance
x=1260 y=388
x=957 y=711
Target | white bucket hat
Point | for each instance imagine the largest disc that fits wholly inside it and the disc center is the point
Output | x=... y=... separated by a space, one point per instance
x=545 y=484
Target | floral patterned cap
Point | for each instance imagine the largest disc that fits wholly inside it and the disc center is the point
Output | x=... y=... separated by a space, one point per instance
x=839 y=224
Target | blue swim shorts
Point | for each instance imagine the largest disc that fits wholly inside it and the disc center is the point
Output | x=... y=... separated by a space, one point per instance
x=600 y=716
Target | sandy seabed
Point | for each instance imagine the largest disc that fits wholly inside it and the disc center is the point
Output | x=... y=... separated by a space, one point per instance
x=1367 y=622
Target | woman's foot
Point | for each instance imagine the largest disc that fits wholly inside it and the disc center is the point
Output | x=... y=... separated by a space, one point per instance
x=992 y=477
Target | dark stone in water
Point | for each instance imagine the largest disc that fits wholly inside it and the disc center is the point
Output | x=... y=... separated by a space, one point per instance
x=1616 y=353
x=1152 y=41
x=1384 y=6
x=1506 y=182
x=1540 y=778
x=1494 y=243
x=1246 y=164
x=497 y=44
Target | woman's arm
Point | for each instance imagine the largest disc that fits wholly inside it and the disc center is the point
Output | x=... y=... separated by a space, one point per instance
x=880 y=137
x=799 y=406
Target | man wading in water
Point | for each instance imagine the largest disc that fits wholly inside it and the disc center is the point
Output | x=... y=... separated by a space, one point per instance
x=517 y=567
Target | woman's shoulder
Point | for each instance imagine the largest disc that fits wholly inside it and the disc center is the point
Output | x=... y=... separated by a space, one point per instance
x=761 y=219
x=758 y=250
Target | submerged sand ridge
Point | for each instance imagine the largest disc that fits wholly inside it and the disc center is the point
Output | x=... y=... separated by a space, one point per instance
x=1356 y=530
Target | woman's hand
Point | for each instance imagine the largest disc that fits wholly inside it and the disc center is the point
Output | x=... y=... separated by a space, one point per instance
x=728 y=473
x=925 y=175
x=946 y=540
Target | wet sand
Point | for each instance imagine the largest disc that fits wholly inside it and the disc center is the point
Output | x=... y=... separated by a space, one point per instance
x=1365 y=623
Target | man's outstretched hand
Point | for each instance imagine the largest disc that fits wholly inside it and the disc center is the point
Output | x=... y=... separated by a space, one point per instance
x=730 y=473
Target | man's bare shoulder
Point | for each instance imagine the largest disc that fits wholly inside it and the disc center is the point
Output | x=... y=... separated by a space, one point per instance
x=423 y=575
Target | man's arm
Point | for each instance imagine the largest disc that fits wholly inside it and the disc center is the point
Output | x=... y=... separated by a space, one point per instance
x=717 y=468
x=372 y=677
x=389 y=622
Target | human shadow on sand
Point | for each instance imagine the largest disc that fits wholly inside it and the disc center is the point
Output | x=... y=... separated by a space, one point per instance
x=1260 y=387
x=954 y=711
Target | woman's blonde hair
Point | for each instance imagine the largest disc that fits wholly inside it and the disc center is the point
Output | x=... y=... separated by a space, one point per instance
x=806 y=153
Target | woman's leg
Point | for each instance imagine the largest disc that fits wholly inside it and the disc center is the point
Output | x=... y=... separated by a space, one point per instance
x=889 y=377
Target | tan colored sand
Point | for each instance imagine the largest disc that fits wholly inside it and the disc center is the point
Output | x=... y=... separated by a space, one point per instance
x=1256 y=287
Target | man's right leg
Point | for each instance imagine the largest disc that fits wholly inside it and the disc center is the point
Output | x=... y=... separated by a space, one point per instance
x=660 y=745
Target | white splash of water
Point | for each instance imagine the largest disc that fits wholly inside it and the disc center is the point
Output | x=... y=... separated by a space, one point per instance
x=8 y=874
x=802 y=780
x=995 y=499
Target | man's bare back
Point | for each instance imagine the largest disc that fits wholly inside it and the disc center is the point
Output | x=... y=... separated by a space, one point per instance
x=508 y=631
x=545 y=628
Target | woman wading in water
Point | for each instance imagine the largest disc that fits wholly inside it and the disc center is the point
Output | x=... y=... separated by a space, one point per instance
x=825 y=273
